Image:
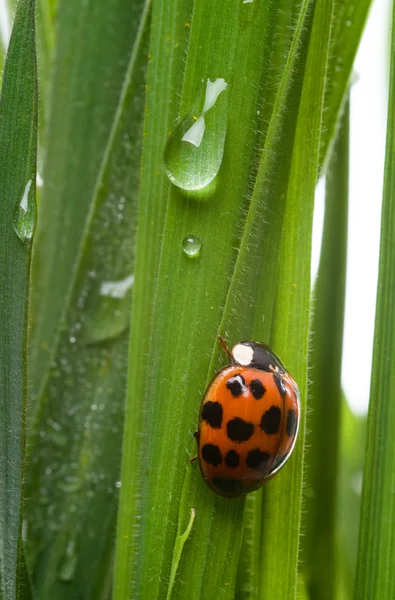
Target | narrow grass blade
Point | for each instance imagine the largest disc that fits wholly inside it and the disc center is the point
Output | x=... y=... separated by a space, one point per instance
x=376 y=554
x=94 y=44
x=18 y=147
x=352 y=446
x=348 y=24
x=282 y=498
x=75 y=451
x=320 y=540
x=169 y=33
x=45 y=23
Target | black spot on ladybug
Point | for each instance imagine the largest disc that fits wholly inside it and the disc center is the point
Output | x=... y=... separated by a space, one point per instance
x=230 y=486
x=292 y=423
x=232 y=459
x=212 y=414
x=271 y=419
x=278 y=380
x=257 y=459
x=239 y=430
x=212 y=455
x=236 y=385
x=257 y=388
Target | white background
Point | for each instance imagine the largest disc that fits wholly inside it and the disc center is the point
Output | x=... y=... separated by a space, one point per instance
x=368 y=123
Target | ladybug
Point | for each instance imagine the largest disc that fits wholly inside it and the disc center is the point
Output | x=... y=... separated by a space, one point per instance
x=248 y=422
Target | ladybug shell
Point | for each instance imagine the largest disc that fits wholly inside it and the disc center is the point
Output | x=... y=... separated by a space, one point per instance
x=248 y=426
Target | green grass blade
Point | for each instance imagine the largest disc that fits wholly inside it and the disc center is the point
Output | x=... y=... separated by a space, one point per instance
x=348 y=25
x=282 y=502
x=75 y=452
x=170 y=30
x=319 y=540
x=376 y=554
x=45 y=23
x=93 y=48
x=164 y=404
x=18 y=147
x=349 y=20
x=352 y=446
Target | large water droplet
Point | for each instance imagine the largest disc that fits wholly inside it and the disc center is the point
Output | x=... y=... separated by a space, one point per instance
x=25 y=214
x=194 y=151
x=191 y=246
x=68 y=563
x=109 y=311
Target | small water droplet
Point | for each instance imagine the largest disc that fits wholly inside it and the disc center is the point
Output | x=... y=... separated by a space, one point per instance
x=68 y=563
x=191 y=246
x=118 y=484
x=25 y=214
x=348 y=23
x=194 y=151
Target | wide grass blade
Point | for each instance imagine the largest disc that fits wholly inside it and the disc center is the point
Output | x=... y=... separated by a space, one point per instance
x=75 y=452
x=18 y=147
x=320 y=540
x=376 y=554
x=170 y=348
x=94 y=43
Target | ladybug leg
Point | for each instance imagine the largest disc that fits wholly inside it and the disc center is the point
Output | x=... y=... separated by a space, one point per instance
x=224 y=345
x=196 y=435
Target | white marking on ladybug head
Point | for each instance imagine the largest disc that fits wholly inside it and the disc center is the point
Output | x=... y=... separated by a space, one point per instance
x=242 y=354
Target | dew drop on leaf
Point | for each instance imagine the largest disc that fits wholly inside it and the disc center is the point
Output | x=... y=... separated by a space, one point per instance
x=25 y=214
x=191 y=246
x=68 y=563
x=194 y=151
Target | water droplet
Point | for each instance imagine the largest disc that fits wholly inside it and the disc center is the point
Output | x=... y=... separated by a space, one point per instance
x=116 y=289
x=25 y=214
x=191 y=246
x=68 y=563
x=109 y=314
x=348 y=23
x=194 y=151
x=118 y=484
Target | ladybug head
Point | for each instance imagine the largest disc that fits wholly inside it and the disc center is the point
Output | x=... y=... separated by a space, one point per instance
x=257 y=356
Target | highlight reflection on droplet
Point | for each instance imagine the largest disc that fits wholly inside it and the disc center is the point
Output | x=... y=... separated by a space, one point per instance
x=25 y=214
x=194 y=151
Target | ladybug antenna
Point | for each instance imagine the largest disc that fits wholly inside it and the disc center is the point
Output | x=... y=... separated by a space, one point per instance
x=224 y=345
